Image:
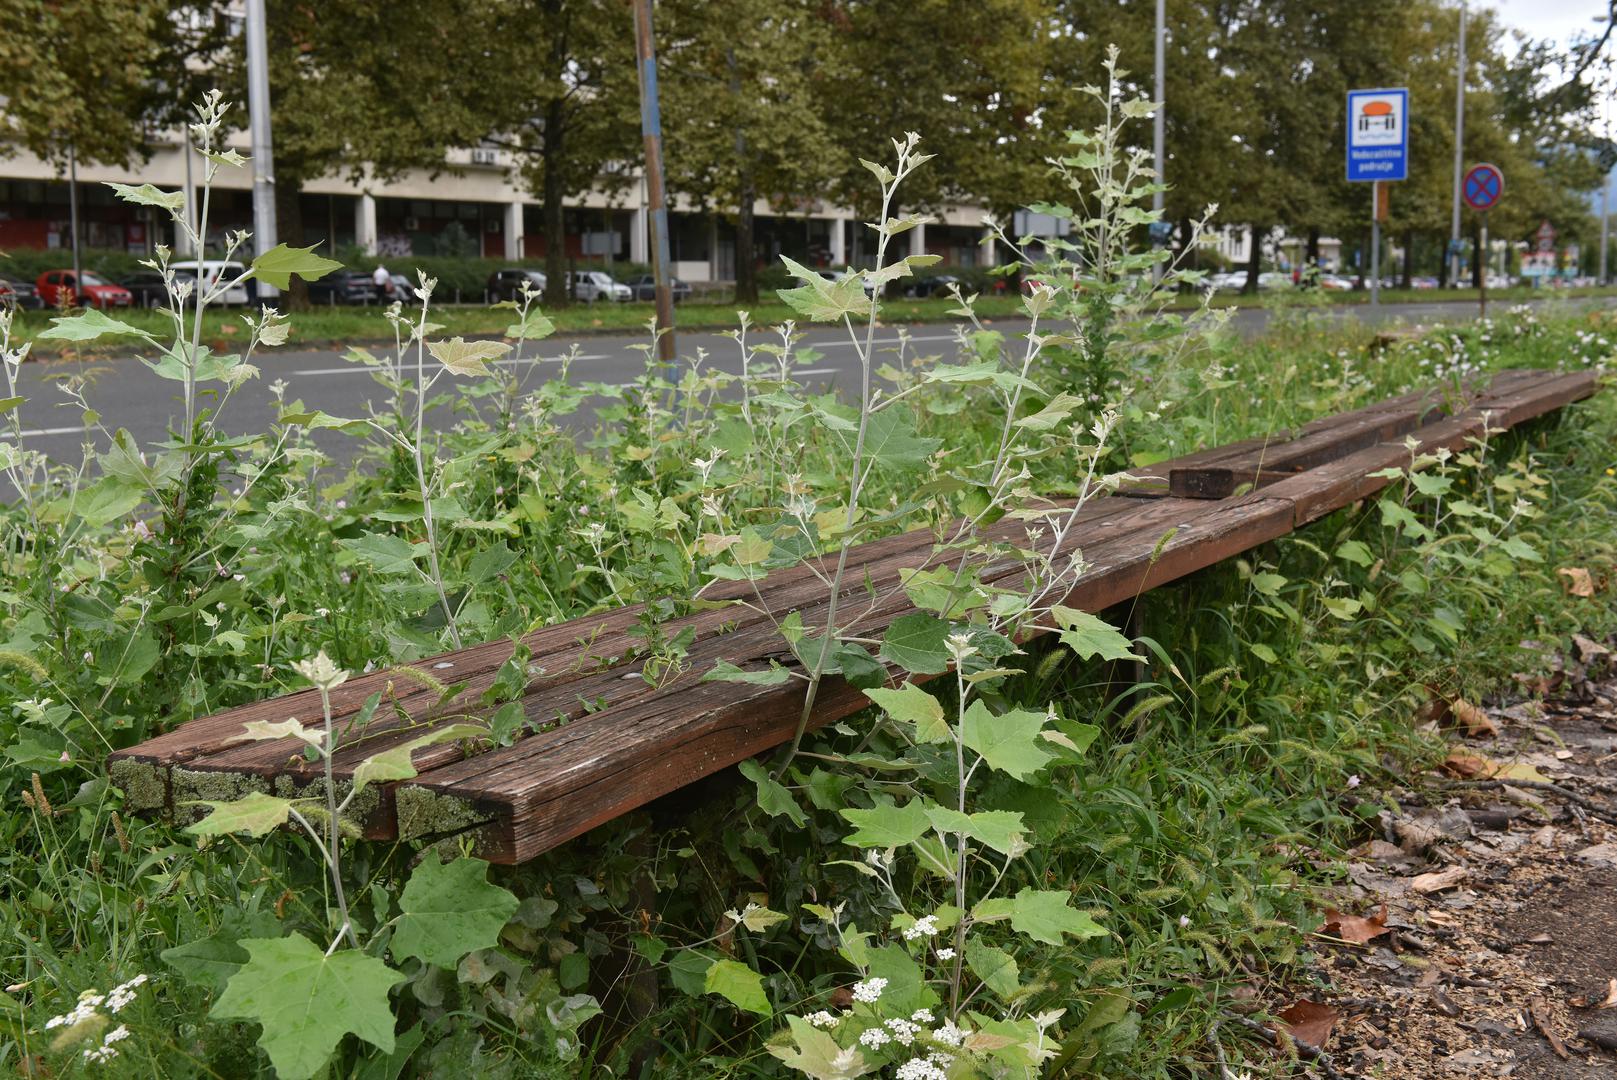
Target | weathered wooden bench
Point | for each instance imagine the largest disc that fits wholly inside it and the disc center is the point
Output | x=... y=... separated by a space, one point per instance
x=608 y=741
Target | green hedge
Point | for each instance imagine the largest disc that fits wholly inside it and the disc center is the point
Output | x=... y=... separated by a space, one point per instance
x=29 y=263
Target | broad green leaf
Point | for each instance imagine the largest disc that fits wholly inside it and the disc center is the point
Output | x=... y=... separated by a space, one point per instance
x=306 y=1001
x=466 y=357
x=773 y=798
x=1045 y=916
x=314 y=420
x=738 y=984
x=1008 y=742
x=906 y=988
x=386 y=553
x=1090 y=636
x=277 y=265
x=915 y=643
x=1057 y=410
x=724 y=671
x=450 y=909
x=887 y=826
x=909 y=704
x=147 y=195
x=89 y=325
x=822 y=300
x=395 y=764
x=106 y=501
x=755 y=918
x=233 y=158
x=261 y=730
x=254 y=814
x=816 y=1055
x=890 y=440
x=998 y=829
x=533 y=327
x=211 y=961
x=995 y=967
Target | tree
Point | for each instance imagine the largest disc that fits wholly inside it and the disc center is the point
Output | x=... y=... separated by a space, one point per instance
x=742 y=85
x=79 y=75
x=565 y=99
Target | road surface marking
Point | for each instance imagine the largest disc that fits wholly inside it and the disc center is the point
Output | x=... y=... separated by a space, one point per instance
x=360 y=369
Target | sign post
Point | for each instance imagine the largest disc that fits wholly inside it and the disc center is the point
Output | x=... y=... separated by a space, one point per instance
x=1377 y=151
x=1483 y=186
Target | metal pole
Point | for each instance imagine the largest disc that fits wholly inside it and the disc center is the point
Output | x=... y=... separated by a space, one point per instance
x=1483 y=261
x=73 y=213
x=1605 y=226
x=258 y=109
x=1159 y=132
x=1459 y=143
x=1375 y=243
x=651 y=128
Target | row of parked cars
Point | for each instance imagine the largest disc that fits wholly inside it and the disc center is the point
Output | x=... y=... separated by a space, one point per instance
x=586 y=285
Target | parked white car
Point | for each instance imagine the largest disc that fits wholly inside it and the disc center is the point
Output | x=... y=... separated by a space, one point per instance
x=592 y=285
x=212 y=271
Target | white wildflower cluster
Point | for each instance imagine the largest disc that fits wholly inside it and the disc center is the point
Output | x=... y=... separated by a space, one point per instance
x=823 y=1019
x=946 y=954
x=931 y=1067
x=88 y=1009
x=99 y=1055
x=924 y=927
x=874 y=1038
x=903 y=1031
x=870 y=990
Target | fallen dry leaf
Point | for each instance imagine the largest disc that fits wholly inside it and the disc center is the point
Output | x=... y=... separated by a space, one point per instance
x=1541 y=1020
x=1476 y=767
x=1355 y=928
x=1473 y=719
x=1589 y=650
x=1310 y=1022
x=1578 y=582
x=1611 y=996
x=1437 y=882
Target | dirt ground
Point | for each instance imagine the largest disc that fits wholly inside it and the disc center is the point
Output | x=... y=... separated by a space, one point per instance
x=1478 y=935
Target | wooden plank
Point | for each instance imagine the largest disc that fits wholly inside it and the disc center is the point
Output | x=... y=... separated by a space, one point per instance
x=554 y=786
x=1222 y=479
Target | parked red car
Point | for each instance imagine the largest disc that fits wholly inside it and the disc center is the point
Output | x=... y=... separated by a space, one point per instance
x=92 y=290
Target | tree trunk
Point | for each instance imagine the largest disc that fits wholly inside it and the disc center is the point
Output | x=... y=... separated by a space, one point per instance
x=1311 y=252
x=1254 y=261
x=746 y=263
x=556 y=291
x=1192 y=254
x=289 y=226
x=1409 y=257
x=1443 y=267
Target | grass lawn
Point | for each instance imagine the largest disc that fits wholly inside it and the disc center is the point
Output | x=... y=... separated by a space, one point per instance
x=322 y=326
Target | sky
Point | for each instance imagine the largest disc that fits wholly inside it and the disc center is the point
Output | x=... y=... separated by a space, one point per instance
x=1559 y=19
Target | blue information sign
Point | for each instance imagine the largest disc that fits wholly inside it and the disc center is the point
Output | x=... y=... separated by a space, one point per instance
x=1378 y=134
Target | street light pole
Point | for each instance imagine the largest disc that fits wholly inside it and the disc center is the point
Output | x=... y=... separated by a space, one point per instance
x=651 y=129
x=258 y=109
x=1159 y=131
x=1459 y=147
x=73 y=212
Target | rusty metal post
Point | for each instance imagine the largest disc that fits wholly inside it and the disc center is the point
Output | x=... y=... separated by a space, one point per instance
x=651 y=129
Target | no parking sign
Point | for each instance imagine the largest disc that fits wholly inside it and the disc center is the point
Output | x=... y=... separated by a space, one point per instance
x=1483 y=186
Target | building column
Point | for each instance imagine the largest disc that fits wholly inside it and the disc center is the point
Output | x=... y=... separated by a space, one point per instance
x=365 y=224
x=513 y=229
x=918 y=240
x=839 y=243
x=713 y=248
x=990 y=249
x=639 y=227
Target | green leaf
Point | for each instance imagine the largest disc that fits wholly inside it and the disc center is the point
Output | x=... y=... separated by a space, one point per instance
x=822 y=300
x=90 y=325
x=106 y=501
x=817 y=1055
x=1008 y=742
x=1057 y=410
x=147 y=195
x=386 y=553
x=909 y=704
x=1045 y=916
x=738 y=984
x=533 y=327
x=887 y=826
x=277 y=265
x=307 y=1001
x=915 y=643
x=773 y=798
x=998 y=829
x=995 y=967
x=450 y=909
x=1090 y=636
x=395 y=762
x=724 y=671
x=255 y=814
x=466 y=357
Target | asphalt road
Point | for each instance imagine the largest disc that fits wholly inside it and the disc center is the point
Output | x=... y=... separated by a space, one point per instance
x=128 y=395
